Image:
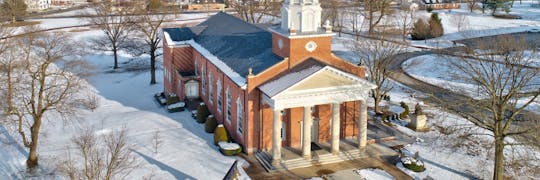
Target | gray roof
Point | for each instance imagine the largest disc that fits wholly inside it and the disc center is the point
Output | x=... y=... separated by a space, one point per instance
x=238 y=44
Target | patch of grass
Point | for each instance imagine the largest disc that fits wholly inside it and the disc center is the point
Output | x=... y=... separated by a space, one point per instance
x=23 y=23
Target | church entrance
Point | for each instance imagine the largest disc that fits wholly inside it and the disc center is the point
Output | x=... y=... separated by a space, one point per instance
x=192 y=89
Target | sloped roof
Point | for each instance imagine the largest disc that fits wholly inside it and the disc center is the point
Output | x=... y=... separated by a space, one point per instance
x=311 y=75
x=291 y=77
x=240 y=45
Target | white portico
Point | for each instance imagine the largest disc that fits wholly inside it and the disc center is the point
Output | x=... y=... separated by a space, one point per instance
x=307 y=86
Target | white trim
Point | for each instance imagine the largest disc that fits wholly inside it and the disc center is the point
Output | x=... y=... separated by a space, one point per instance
x=301 y=36
x=363 y=82
x=233 y=75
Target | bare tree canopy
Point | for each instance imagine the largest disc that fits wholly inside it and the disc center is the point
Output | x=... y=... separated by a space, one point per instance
x=105 y=156
x=377 y=55
x=116 y=25
x=40 y=84
x=253 y=11
x=146 y=39
x=13 y=8
x=374 y=11
x=499 y=69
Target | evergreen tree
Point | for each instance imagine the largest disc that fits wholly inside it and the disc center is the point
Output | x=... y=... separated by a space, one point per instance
x=435 y=26
x=421 y=30
x=13 y=8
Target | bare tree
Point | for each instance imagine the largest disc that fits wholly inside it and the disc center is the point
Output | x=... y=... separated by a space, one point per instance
x=40 y=84
x=13 y=8
x=472 y=5
x=499 y=68
x=404 y=19
x=374 y=11
x=461 y=21
x=253 y=11
x=148 y=42
x=156 y=140
x=104 y=157
x=377 y=55
x=116 y=25
x=331 y=11
x=356 y=22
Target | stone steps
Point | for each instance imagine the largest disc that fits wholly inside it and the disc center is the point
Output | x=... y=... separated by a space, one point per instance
x=324 y=159
x=265 y=160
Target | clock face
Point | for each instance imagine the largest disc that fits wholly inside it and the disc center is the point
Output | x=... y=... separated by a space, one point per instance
x=311 y=46
x=280 y=43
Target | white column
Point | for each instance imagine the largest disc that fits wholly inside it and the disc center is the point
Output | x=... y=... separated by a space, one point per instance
x=335 y=128
x=306 y=140
x=276 y=138
x=362 y=125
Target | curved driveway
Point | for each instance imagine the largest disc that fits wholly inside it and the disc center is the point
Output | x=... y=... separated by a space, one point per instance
x=437 y=96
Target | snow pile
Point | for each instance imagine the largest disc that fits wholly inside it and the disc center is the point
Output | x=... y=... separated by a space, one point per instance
x=176 y=105
x=228 y=146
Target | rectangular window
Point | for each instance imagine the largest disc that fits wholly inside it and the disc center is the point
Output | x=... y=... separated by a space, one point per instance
x=210 y=92
x=228 y=94
x=219 y=97
x=239 y=116
x=203 y=79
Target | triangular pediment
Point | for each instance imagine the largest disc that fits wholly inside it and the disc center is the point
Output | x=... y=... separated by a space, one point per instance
x=323 y=79
x=327 y=79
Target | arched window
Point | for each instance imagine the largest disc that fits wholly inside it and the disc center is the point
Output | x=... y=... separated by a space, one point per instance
x=219 y=97
x=228 y=101
x=239 y=116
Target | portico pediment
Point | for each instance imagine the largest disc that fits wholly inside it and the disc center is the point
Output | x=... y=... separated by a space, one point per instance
x=315 y=85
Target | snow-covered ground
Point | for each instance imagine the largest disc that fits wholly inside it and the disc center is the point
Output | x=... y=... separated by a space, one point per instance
x=188 y=152
x=440 y=71
x=126 y=101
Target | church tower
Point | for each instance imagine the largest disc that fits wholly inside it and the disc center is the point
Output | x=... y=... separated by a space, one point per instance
x=301 y=34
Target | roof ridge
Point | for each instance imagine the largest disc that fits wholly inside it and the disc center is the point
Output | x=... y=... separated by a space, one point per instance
x=234 y=17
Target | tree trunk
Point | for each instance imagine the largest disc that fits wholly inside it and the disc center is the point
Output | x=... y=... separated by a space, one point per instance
x=13 y=19
x=32 y=160
x=498 y=170
x=376 y=104
x=115 y=58
x=152 y=67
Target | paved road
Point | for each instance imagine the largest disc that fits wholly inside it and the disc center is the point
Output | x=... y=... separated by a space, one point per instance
x=437 y=96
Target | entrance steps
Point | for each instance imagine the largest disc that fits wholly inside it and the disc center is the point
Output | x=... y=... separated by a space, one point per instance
x=266 y=161
x=324 y=159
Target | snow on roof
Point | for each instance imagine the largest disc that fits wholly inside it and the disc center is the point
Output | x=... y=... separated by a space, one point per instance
x=228 y=71
x=294 y=76
x=235 y=43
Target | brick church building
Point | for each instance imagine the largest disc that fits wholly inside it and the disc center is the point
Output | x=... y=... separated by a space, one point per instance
x=274 y=88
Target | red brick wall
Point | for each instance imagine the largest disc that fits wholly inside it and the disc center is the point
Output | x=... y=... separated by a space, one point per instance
x=167 y=65
x=183 y=59
x=235 y=90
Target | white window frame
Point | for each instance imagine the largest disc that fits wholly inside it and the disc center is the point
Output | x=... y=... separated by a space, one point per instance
x=239 y=116
x=219 y=96
x=203 y=79
x=228 y=110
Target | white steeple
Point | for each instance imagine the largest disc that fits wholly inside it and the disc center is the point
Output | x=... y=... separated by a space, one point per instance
x=301 y=16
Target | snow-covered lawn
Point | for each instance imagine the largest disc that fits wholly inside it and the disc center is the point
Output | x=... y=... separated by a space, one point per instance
x=125 y=101
x=439 y=71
